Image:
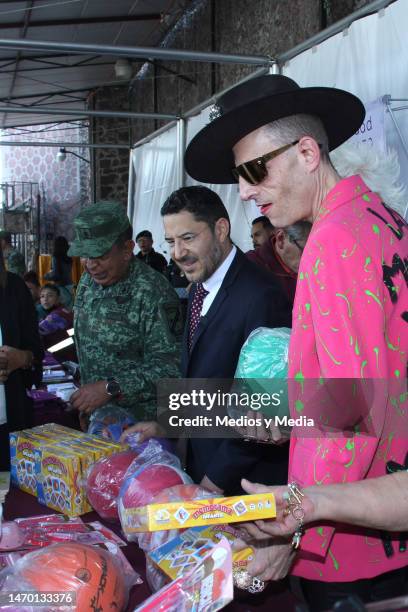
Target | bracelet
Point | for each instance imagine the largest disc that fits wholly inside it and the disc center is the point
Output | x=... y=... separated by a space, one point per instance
x=294 y=498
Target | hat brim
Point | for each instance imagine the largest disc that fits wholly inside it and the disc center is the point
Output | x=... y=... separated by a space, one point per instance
x=209 y=157
x=90 y=248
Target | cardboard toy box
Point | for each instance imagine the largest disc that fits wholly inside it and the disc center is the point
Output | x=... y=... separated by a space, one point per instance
x=214 y=511
x=51 y=462
x=188 y=549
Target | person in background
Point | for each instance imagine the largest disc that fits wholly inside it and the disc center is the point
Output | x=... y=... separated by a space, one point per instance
x=128 y=322
x=14 y=260
x=261 y=231
x=20 y=351
x=229 y=298
x=144 y=241
x=31 y=280
x=61 y=270
x=281 y=255
x=57 y=316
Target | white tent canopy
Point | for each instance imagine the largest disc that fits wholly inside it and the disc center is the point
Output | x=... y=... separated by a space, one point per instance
x=370 y=59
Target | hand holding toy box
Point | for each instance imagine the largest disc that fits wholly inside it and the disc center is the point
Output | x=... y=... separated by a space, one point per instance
x=184 y=514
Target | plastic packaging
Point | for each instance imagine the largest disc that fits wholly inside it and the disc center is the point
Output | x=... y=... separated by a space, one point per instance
x=133 y=440
x=263 y=368
x=110 y=423
x=208 y=587
x=92 y=574
x=151 y=472
x=156 y=579
x=104 y=481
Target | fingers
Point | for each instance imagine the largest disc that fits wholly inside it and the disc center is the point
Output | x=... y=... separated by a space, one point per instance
x=253 y=487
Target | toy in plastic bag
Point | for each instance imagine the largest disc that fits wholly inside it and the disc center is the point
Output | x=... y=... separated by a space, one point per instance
x=206 y=588
x=88 y=576
x=263 y=369
x=104 y=480
x=148 y=541
x=110 y=423
x=133 y=440
x=152 y=471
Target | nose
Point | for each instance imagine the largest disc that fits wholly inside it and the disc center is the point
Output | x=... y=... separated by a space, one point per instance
x=246 y=190
x=179 y=250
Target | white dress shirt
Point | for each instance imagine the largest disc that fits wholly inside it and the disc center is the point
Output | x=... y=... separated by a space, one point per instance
x=213 y=284
x=3 y=413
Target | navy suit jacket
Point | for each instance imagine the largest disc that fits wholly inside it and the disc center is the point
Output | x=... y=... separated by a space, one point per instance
x=248 y=298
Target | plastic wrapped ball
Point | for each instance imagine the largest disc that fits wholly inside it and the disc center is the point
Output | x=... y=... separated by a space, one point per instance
x=89 y=571
x=148 y=481
x=104 y=482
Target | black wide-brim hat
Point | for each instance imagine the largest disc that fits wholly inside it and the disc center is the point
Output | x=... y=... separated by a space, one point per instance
x=259 y=101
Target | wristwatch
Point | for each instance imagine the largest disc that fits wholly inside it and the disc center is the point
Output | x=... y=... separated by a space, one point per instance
x=113 y=387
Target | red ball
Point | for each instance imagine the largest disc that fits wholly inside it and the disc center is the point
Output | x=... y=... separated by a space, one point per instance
x=104 y=482
x=149 y=481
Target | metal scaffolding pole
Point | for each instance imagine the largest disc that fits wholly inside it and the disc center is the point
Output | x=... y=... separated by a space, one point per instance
x=134 y=52
x=337 y=27
x=32 y=143
x=33 y=110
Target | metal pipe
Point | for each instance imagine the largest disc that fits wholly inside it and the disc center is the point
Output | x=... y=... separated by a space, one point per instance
x=134 y=52
x=181 y=145
x=34 y=110
x=337 y=27
x=399 y=108
x=197 y=109
x=30 y=143
x=150 y=137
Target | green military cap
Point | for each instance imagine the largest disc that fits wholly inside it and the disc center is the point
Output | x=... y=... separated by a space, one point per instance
x=97 y=227
x=4 y=235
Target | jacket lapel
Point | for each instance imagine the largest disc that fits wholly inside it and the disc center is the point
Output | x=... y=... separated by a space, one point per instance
x=219 y=298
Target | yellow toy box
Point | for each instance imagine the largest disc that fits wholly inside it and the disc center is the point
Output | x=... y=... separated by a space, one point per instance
x=51 y=462
x=183 y=514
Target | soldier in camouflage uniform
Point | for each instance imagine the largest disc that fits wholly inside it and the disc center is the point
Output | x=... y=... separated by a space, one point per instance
x=128 y=322
x=13 y=259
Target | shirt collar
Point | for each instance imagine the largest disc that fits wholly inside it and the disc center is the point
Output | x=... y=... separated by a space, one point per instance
x=218 y=276
x=346 y=190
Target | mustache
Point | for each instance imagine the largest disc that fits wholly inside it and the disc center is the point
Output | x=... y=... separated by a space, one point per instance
x=187 y=260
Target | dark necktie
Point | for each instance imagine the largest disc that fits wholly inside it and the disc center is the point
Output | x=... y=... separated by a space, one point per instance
x=195 y=314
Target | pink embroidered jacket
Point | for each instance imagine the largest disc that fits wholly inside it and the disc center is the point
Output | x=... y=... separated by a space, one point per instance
x=350 y=320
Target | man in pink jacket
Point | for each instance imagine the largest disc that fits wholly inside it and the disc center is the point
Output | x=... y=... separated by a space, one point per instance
x=350 y=318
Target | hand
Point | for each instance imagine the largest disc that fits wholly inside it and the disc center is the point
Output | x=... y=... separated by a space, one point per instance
x=272 y=559
x=206 y=483
x=283 y=525
x=12 y=359
x=259 y=433
x=146 y=430
x=90 y=397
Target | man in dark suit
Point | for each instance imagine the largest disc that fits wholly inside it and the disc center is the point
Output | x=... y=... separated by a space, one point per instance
x=230 y=297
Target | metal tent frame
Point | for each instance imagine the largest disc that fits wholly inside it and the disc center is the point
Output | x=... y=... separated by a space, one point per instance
x=267 y=63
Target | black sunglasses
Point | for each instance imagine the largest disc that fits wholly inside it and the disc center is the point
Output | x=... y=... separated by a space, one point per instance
x=254 y=171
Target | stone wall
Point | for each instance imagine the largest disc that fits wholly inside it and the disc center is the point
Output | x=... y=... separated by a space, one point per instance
x=258 y=27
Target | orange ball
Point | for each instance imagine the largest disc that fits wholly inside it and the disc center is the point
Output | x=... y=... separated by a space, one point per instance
x=89 y=571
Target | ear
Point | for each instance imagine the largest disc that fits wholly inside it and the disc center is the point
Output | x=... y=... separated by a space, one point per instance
x=222 y=228
x=309 y=152
x=128 y=250
x=279 y=240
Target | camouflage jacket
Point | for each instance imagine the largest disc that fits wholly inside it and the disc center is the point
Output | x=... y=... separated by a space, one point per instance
x=130 y=331
x=15 y=262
